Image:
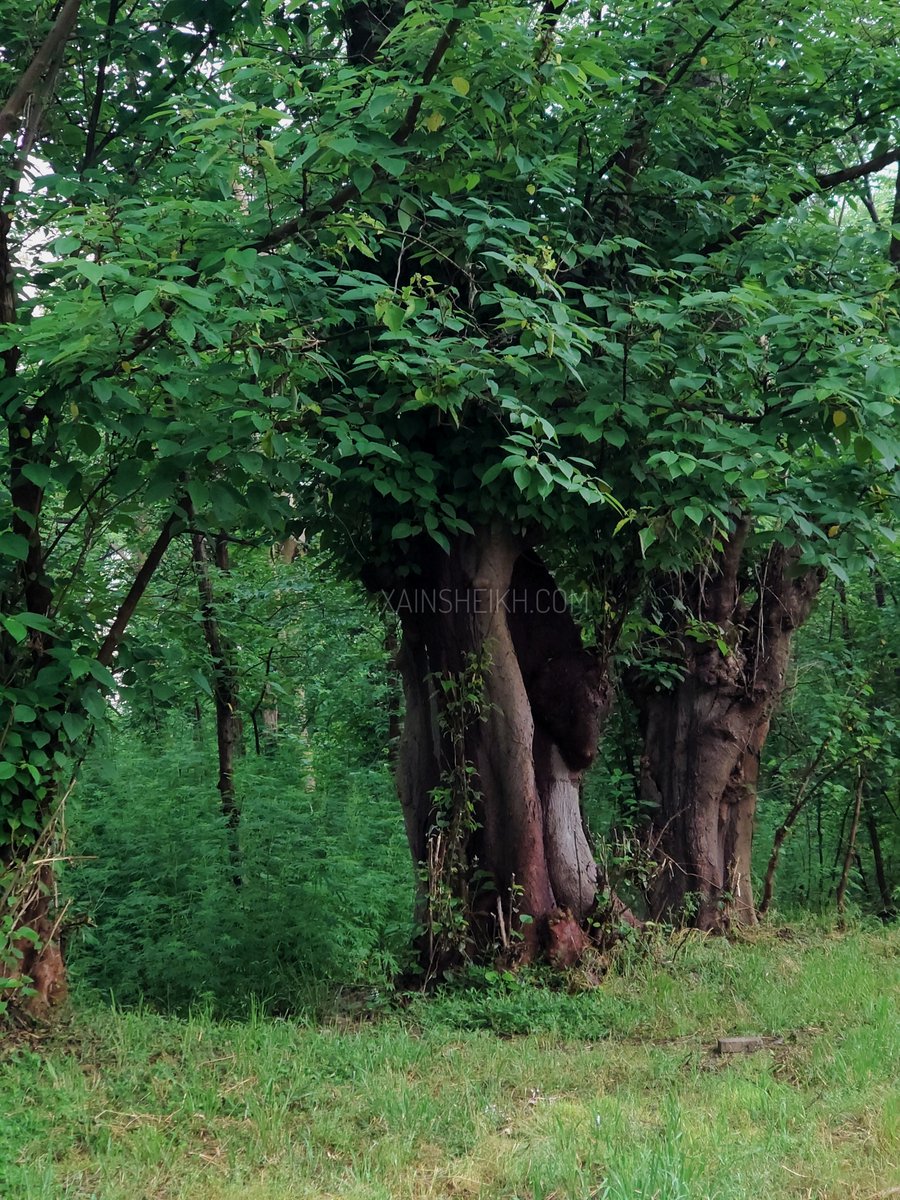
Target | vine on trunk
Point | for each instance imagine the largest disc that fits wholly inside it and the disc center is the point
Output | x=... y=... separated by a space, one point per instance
x=462 y=704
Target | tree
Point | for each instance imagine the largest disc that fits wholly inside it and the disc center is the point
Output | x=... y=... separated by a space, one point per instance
x=131 y=319
x=704 y=733
x=839 y=729
x=335 y=256
x=229 y=725
x=629 y=289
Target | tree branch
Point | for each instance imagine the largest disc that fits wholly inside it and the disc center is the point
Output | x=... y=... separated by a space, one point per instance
x=43 y=63
x=102 y=65
x=684 y=66
x=628 y=155
x=282 y=233
x=822 y=183
x=135 y=592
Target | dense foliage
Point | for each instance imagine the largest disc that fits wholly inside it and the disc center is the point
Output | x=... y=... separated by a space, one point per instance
x=610 y=291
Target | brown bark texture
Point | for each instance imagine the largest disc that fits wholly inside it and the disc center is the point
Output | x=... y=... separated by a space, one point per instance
x=888 y=908
x=229 y=731
x=496 y=803
x=851 y=844
x=703 y=737
x=36 y=960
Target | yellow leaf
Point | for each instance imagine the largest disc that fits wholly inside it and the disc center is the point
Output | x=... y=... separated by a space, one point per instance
x=703 y=60
x=434 y=122
x=530 y=189
x=729 y=199
x=834 y=530
x=839 y=418
x=771 y=40
x=73 y=411
x=460 y=84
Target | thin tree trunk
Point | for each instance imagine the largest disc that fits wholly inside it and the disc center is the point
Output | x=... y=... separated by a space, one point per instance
x=225 y=693
x=851 y=844
x=888 y=908
x=785 y=827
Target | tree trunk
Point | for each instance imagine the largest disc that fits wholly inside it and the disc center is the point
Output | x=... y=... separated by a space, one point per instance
x=851 y=844
x=787 y=825
x=33 y=955
x=225 y=693
x=503 y=709
x=703 y=737
x=888 y=908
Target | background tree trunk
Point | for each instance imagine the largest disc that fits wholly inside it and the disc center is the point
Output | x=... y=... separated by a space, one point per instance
x=888 y=908
x=851 y=844
x=703 y=737
x=229 y=733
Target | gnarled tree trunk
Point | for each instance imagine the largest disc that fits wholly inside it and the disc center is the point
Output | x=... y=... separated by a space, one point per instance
x=704 y=736
x=491 y=802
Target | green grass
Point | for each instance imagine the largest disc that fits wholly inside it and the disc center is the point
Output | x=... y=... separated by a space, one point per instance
x=508 y=1091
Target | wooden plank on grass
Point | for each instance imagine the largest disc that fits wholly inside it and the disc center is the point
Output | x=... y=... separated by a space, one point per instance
x=740 y=1045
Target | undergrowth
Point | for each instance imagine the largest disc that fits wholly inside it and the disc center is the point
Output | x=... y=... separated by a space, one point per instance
x=326 y=879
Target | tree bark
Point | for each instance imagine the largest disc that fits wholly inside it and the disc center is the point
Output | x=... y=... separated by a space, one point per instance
x=851 y=844
x=225 y=693
x=703 y=737
x=491 y=801
x=888 y=908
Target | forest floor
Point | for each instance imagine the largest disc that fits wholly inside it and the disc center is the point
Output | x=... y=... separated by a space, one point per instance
x=497 y=1090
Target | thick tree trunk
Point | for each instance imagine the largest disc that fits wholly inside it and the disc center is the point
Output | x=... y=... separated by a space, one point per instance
x=34 y=954
x=703 y=738
x=503 y=709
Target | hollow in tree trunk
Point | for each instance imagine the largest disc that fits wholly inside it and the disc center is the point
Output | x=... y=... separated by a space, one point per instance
x=703 y=737
x=503 y=709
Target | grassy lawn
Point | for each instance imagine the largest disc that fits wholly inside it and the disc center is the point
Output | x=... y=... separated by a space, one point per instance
x=508 y=1091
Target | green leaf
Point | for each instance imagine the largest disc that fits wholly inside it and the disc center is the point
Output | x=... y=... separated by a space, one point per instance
x=522 y=476
x=143 y=300
x=393 y=316
x=66 y=245
x=185 y=329
x=94 y=704
x=362 y=178
x=14 y=627
x=37 y=473
x=403 y=529
x=87 y=438
x=74 y=725
x=13 y=545
x=92 y=271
